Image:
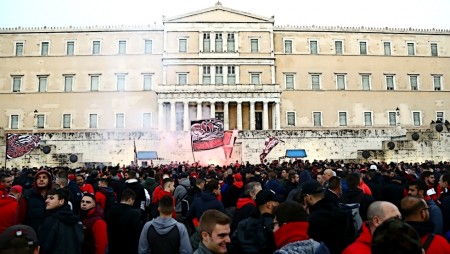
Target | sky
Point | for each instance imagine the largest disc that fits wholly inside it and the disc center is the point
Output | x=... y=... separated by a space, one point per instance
x=354 y=13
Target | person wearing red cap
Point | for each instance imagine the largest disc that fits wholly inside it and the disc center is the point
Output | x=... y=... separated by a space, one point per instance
x=8 y=207
x=31 y=209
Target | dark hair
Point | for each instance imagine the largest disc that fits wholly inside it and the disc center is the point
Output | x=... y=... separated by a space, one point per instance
x=290 y=211
x=292 y=174
x=165 y=205
x=212 y=185
x=91 y=195
x=395 y=236
x=425 y=174
x=128 y=194
x=131 y=174
x=352 y=180
x=210 y=218
x=421 y=185
x=334 y=182
x=61 y=193
x=446 y=178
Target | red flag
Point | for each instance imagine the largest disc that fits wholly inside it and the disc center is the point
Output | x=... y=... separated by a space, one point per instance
x=206 y=134
x=269 y=144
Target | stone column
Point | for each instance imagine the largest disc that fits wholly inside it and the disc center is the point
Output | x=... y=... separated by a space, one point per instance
x=161 y=115
x=252 y=115
x=239 y=115
x=173 y=117
x=226 y=119
x=186 y=122
x=213 y=109
x=199 y=110
x=265 y=115
x=277 y=116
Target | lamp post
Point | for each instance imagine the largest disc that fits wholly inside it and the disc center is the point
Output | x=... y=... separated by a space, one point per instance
x=35 y=119
x=397 y=113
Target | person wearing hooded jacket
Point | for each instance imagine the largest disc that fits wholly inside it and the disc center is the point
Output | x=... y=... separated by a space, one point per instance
x=61 y=231
x=180 y=192
x=291 y=231
x=246 y=205
x=31 y=208
x=164 y=234
x=95 y=234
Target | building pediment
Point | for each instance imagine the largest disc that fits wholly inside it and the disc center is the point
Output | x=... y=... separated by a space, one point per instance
x=219 y=14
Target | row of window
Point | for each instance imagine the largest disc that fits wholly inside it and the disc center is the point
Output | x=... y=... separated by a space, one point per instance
x=70 y=47
x=228 y=45
x=393 y=118
x=363 y=47
x=218 y=77
x=66 y=121
x=94 y=79
x=365 y=79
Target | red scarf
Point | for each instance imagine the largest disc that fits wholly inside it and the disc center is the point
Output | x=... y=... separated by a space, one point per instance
x=238 y=184
x=291 y=232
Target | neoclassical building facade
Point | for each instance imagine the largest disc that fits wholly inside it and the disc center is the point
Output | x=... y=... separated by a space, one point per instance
x=220 y=63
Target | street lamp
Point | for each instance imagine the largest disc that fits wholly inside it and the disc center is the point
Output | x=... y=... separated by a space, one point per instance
x=397 y=113
x=35 y=118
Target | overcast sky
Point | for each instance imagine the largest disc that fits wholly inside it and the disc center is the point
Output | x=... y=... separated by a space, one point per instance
x=369 y=13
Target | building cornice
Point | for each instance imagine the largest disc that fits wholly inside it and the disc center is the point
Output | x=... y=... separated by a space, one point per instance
x=362 y=29
x=75 y=29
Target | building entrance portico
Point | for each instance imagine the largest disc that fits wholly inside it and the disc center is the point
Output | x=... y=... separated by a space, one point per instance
x=237 y=113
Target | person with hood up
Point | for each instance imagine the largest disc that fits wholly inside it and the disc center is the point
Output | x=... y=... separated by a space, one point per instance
x=61 y=231
x=164 y=234
x=31 y=208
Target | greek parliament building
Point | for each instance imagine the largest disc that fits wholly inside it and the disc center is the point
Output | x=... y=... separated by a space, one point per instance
x=101 y=92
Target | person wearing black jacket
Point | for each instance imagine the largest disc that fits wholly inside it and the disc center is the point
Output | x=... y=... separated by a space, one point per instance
x=355 y=195
x=140 y=201
x=61 y=231
x=123 y=225
x=327 y=222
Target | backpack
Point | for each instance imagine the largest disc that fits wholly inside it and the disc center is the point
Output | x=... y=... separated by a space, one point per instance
x=186 y=201
x=354 y=219
x=253 y=235
x=167 y=243
x=111 y=199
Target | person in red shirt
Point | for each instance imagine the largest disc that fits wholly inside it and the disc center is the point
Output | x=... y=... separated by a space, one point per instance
x=95 y=234
x=377 y=212
x=84 y=187
x=417 y=214
x=429 y=179
x=8 y=207
x=166 y=188
x=5 y=183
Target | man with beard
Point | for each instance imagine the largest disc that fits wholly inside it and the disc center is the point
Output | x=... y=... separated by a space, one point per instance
x=61 y=231
x=95 y=235
x=5 y=183
x=31 y=209
x=417 y=214
x=419 y=189
x=429 y=179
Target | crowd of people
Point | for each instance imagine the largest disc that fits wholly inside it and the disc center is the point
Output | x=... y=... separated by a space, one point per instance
x=297 y=206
